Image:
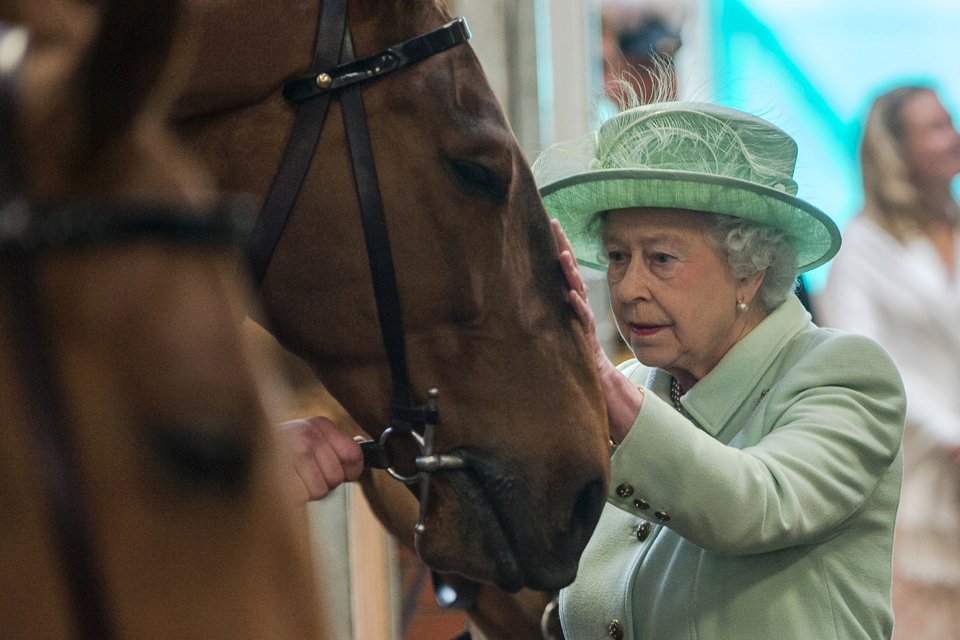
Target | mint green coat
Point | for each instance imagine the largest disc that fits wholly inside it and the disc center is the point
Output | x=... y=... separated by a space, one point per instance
x=766 y=510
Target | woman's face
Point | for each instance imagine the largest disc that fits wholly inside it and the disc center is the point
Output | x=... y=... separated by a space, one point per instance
x=675 y=300
x=931 y=144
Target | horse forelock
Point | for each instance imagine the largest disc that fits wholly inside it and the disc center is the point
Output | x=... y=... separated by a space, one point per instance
x=91 y=101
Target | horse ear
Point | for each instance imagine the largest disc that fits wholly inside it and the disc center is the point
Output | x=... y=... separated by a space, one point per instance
x=123 y=64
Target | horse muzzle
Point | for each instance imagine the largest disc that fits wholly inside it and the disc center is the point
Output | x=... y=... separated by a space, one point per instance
x=506 y=528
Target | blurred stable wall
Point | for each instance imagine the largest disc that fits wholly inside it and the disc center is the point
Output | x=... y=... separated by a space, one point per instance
x=535 y=56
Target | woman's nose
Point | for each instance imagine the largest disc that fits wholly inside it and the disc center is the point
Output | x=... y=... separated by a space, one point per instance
x=635 y=283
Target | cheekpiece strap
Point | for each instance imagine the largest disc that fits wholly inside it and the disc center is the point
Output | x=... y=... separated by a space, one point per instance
x=396 y=57
x=408 y=415
x=300 y=149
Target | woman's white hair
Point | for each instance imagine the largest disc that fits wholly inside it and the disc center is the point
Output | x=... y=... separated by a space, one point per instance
x=751 y=248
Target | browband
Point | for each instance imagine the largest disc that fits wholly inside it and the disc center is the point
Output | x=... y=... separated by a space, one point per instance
x=391 y=59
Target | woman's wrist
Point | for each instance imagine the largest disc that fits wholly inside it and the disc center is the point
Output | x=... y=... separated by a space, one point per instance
x=624 y=400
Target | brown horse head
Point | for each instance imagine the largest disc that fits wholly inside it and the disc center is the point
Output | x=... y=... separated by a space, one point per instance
x=483 y=299
x=166 y=518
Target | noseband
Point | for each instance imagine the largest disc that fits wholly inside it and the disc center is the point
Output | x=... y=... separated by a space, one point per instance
x=335 y=71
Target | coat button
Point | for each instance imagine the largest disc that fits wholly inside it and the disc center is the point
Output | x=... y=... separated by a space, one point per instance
x=615 y=630
x=661 y=516
x=625 y=490
x=640 y=503
x=643 y=531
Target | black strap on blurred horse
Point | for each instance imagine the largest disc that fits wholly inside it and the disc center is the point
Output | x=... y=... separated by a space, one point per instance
x=335 y=70
x=26 y=234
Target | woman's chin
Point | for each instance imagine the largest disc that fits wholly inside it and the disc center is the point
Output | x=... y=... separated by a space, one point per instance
x=649 y=355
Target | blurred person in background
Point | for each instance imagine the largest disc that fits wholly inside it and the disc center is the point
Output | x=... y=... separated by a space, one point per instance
x=895 y=280
x=639 y=45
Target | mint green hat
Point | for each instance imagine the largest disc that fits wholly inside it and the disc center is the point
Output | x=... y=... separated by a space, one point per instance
x=682 y=155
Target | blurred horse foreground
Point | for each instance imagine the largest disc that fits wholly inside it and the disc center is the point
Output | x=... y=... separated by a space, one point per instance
x=138 y=482
x=484 y=312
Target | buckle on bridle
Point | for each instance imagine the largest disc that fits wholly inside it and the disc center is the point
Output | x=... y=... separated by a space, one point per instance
x=319 y=82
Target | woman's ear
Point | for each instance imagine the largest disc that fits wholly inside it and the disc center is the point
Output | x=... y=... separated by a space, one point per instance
x=747 y=287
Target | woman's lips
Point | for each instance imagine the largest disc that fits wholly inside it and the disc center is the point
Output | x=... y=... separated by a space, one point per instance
x=646 y=329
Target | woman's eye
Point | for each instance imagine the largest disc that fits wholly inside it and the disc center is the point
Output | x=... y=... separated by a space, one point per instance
x=662 y=258
x=616 y=256
x=478 y=180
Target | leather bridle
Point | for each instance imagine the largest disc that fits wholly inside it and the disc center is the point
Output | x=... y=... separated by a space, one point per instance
x=27 y=234
x=335 y=71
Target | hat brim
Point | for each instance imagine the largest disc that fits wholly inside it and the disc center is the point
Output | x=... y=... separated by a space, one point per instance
x=574 y=200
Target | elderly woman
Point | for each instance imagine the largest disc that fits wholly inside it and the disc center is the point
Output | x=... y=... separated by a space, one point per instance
x=896 y=281
x=757 y=465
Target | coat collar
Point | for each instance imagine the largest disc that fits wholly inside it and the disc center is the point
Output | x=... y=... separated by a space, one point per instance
x=718 y=395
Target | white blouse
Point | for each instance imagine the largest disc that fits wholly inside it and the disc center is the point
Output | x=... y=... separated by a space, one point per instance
x=903 y=297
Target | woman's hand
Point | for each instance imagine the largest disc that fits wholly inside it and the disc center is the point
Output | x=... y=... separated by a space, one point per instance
x=578 y=297
x=623 y=398
x=323 y=457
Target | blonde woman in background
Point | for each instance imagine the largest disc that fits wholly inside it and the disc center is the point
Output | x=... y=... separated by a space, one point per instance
x=895 y=280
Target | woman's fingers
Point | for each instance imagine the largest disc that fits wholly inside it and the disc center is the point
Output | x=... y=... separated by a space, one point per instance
x=578 y=295
x=560 y=236
x=322 y=457
x=589 y=324
x=583 y=311
x=568 y=261
x=569 y=265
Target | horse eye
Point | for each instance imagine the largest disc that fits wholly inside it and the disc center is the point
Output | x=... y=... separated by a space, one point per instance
x=478 y=180
x=217 y=459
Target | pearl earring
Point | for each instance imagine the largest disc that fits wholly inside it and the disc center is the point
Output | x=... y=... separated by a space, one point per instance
x=743 y=306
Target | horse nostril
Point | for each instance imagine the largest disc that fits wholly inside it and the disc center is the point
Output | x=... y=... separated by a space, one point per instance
x=586 y=514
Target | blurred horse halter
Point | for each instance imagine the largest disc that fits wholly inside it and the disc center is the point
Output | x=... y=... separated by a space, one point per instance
x=335 y=70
